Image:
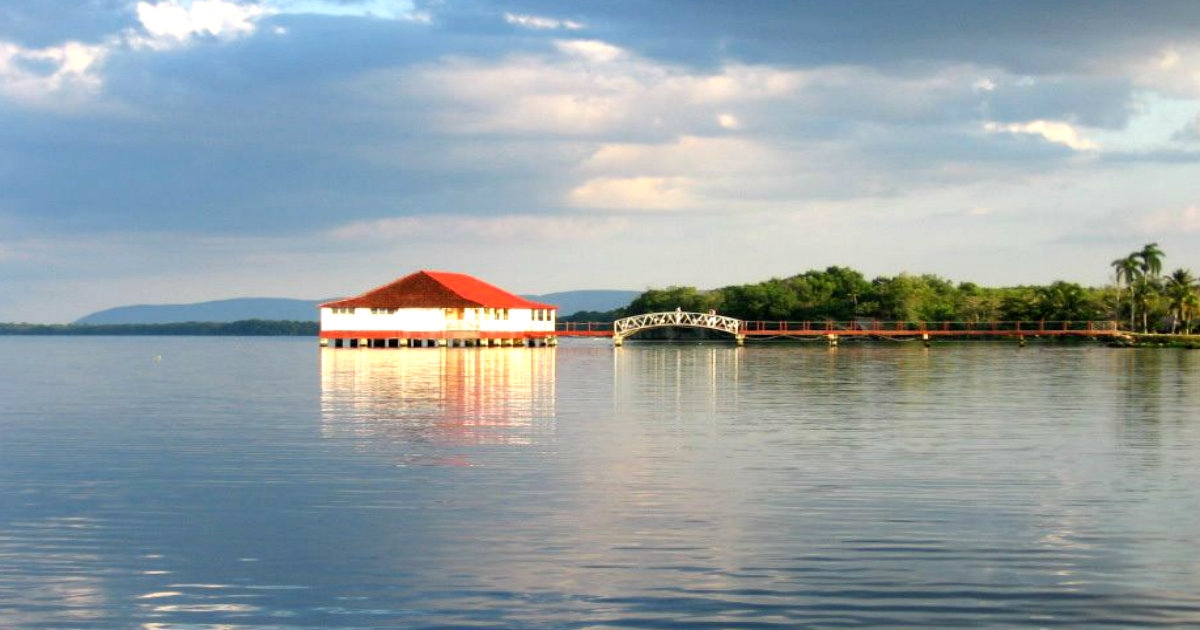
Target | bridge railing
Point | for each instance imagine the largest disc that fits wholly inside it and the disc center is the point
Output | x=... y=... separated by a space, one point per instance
x=710 y=320
x=596 y=327
x=860 y=326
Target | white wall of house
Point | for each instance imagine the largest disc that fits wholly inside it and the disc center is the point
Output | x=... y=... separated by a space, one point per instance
x=438 y=319
x=411 y=319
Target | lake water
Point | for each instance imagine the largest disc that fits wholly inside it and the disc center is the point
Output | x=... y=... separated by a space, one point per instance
x=194 y=483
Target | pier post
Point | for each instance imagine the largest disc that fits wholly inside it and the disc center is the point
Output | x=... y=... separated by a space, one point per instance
x=740 y=340
x=617 y=341
x=833 y=340
x=925 y=339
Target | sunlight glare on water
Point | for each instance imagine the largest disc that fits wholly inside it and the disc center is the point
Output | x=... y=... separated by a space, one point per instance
x=186 y=483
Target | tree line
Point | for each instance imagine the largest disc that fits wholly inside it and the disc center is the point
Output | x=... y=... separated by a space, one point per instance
x=1140 y=296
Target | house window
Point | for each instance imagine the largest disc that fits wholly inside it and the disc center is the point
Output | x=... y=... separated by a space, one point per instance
x=342 y=311
x=383 y=311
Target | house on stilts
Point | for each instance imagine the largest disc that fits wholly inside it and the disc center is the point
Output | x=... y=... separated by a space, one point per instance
x=436 y=308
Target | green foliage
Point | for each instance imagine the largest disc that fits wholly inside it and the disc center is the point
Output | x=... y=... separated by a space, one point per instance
x=842 y=294
x=1066 y=301
x=1180 y=291
x=916 y=298
x=670 y=298
x=594 y=316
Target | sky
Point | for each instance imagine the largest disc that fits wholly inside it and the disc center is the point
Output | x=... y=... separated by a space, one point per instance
x=179 y=151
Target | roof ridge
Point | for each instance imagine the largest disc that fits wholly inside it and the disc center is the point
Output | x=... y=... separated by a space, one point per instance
x=372 y=289
x=465 y=289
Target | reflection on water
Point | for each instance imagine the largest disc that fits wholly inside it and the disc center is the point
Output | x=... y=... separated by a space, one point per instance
x=266 y=484
x=442 y=395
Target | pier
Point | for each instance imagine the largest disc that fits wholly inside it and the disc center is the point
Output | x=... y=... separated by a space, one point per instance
x=832 y=331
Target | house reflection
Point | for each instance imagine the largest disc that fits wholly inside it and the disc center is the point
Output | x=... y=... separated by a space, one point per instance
x=446 y=396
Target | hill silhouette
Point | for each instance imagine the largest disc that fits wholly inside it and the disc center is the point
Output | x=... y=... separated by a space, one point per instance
x=288 y=309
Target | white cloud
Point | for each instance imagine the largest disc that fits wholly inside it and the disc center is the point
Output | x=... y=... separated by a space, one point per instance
x=1175 y=221
x=984 y=85
x=541 y=23
x=68 y=75
x=614 y=92
x=634 y=193
x=525 y=227
x=1052 y=131
x=176 y=22
x=591 y=50
x=382 y=9
x=1172 y=72
x=54 y=77
x=716 y=174
x=703 y=157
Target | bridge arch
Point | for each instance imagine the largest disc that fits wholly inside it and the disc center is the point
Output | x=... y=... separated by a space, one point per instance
x=627 y=326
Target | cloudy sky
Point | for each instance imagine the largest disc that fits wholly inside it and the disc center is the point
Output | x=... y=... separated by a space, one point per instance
x=176 y=151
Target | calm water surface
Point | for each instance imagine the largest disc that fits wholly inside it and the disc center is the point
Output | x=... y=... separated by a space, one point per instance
x=190 y=483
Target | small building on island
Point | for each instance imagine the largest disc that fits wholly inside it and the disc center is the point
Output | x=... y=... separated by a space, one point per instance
x=436 y=308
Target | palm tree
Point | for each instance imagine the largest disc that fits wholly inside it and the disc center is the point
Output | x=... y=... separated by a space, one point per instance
x=1127 y=269
x=1146 y=291
x=1151 y=257
x=1063 y=301
x=1181 y=292
x=1191 y=306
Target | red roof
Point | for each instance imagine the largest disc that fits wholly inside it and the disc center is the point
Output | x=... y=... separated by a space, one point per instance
x=437 y=289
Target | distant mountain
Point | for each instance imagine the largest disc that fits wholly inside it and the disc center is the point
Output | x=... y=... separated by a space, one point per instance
x=571 y=302
x=233 y=310
x=238 y=309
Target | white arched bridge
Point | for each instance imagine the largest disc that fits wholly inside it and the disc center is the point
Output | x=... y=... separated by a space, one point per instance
x=627 y=326
x=740 y=330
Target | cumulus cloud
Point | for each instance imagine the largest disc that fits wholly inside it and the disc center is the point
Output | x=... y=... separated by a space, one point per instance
x=55 y=76
x=1173 y=71
x=382 y=9
x=1051 y=131
x=541 y=23
x=175 y=22
x=66 y=75
x=634 y=193
x=527 y=228
x=584 y=87
x=1172 y=221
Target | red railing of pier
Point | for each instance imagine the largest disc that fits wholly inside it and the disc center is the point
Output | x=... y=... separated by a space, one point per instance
x=876 y=328
x=584 y=329
x=938 y=329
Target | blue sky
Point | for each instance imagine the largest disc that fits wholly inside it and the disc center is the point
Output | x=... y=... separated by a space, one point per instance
x=174 y=151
